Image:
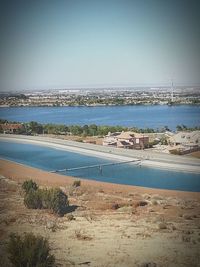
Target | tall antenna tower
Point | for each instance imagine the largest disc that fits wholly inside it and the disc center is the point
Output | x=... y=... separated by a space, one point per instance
x=172 y=92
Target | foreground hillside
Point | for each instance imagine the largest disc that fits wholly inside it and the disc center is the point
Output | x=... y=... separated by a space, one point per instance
x=107 y=227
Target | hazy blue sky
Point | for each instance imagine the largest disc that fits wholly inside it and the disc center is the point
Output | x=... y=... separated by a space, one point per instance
x=63 y=43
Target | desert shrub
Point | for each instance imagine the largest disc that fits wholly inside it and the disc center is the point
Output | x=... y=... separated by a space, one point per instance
x=33 y=199
x=76 y=183
x=141 y=203
x=29 y=251
x=29 y=185
x=154 y=202
x=54 y=199
x=57 y=201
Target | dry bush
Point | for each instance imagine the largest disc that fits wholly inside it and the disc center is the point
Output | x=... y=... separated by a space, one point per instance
x=29 y=251
x=53 y=199
x=29 y=185
x=76 y=183
x=140 y=203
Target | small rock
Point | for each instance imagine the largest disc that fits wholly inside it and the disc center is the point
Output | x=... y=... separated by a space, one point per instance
x=188 y=232
x=70 y=217
x=115 y=206
x=51 y=226
x=173 y=227
x=187 y=217
x=148 y=264
x=186 y=238
x=141 y=203
x=162 y=226
x=154 y=202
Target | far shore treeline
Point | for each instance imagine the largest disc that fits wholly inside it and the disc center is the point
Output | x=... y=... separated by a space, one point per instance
x=33 y=127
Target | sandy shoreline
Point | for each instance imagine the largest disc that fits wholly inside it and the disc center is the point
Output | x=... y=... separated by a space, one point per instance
x=154 y=160
x=20 y=172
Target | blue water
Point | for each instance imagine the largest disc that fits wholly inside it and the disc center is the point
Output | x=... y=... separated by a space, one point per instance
x=52 y=159
x=138 y=116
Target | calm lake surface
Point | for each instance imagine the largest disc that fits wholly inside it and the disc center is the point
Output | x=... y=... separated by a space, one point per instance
x=52 y=159
x=140 y=116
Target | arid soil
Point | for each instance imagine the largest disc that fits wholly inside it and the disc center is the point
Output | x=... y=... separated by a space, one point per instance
x=107 y=225
x=86 y=139
x=195 y=154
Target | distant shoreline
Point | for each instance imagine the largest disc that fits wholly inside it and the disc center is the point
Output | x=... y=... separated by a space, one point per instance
x=100 y=105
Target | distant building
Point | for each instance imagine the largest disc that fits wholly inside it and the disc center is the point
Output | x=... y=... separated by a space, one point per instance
x=125 y=140
x=110 y=139
x=186 y=139
x=140 y=141
x=128 y=140
x=10 y=127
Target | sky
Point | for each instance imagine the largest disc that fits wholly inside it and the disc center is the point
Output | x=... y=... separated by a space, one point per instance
x=84 y=43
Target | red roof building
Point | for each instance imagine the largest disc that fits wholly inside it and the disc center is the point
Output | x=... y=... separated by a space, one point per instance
x=11 y=127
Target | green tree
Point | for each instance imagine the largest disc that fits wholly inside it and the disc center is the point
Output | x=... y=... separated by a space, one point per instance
x=35 y=127
x=93 y=129
x=76 y=129
x=85 y=130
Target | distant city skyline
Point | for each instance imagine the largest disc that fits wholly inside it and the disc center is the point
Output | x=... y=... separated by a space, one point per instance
x=48 y=44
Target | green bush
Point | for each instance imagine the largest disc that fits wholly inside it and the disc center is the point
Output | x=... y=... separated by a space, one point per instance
x=53 y=199
x=30 y=251
x=29 y=185
x=33 y=199
x=77 y=183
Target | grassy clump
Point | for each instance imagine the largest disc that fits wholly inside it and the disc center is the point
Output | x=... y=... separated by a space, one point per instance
x=30 y=251
x=29 y=185
x=53 y=199
x=76 y=183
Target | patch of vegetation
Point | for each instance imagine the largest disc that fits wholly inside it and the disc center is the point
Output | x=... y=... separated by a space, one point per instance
x=175 y=151
x=53 y=199
x=30 y=251
x=76 y=183
x=29 y=185
x=33 y=199
x=141 y=203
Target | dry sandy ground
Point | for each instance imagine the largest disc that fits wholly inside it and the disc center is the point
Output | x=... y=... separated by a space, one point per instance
x=100 y=234
x=87 y=139
x=195 y=154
